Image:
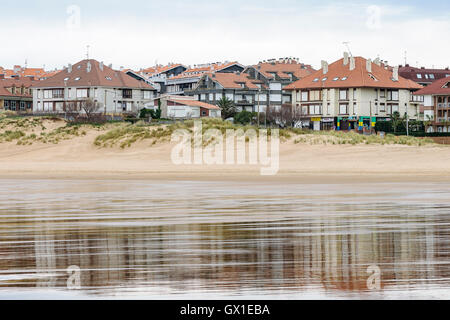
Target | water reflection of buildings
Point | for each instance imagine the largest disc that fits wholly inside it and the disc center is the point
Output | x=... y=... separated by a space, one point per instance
x=333 y=253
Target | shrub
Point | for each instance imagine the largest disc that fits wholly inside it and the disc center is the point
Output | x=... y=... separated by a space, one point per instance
x=244 y=117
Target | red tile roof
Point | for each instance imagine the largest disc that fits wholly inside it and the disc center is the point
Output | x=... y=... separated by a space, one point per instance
x=18 y=83
x=18 y=71
x=411 y=73
x=282 y=69
x=199 y=71
x=441 y=86
x=160 y=69
x=356 y=78
x=234 y=80
x=80 y=77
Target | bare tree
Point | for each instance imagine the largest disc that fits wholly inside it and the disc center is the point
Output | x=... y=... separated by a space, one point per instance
x=90 y=108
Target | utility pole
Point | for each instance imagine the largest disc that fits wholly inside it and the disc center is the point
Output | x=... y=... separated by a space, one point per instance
x=407 y=123
x=259 y=96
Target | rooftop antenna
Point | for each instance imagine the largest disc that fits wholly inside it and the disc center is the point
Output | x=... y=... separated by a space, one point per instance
x=347 y=44
x=406 y=57
x=87 y=52
x=26 y=63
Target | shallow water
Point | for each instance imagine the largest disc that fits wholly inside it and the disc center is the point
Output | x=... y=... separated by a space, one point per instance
x=205 y=240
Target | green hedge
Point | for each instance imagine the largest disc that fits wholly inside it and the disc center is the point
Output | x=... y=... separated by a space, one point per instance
x=388 y=127
x=423 y=134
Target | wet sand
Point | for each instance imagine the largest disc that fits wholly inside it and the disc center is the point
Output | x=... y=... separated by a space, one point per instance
x=231 y=240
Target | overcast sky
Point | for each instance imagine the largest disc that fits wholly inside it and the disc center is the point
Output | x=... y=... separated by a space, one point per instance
x=137 y=33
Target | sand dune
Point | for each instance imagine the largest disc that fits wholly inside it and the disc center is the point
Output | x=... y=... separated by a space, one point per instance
x=80 y=158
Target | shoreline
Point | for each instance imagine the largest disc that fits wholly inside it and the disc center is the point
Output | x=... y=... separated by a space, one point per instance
x=283 y=177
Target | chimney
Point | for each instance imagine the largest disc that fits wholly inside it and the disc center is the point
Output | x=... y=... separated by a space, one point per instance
x=377 y=61
x=70 y=68
x=346 y=58
x=110 y=66
x=101 y=66
x=369 y=65
x=121 y=68
x=352 y=63
x=325 y=67
x=395 y=74
x=2 y=76
x=89 y=67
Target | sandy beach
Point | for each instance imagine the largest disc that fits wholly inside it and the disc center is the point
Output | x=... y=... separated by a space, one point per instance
x=301 y=162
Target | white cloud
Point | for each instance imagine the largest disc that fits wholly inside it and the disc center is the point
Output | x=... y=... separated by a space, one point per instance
x=249 y=34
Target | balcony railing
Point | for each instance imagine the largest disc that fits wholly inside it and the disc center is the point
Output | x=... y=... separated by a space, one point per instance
x=244 y=102
x=443 y=105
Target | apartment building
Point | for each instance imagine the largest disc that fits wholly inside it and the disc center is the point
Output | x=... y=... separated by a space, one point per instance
x=254 y=89
x=353 y=93
x=115 y=91
x=423 y=76
x=16 y=95
x=436 y=101
x=246 y=93
x=186 y=81
x=277 y=74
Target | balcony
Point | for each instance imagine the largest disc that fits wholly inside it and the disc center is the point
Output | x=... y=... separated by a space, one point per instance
x=244 y=102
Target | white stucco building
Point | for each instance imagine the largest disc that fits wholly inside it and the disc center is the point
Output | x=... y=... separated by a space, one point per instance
x=114 y=91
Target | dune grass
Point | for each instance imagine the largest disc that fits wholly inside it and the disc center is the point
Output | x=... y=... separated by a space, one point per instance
x=127 y=134
x=352 y=138
x=27 y=131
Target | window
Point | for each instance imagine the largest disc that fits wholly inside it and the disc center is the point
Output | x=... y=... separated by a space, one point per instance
x=58 y=93
x=66 y=79
x=419 y=76
x=148 y=95
x=82 y=93
x=344 y=78
x=343 y=94
x=127 y=94
x=431 y=76
x=304 y=95
x=394 y=108
x=48 y=106
x=77 y=79
x=109 y=79
x=343 y=108
x=382 y=107
x=382 y=93
x=316 y=80
x=304 y=109
x=336 y=79
x=393 y=95
x=314 y=95
x=48 y=94
x=324 y=79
